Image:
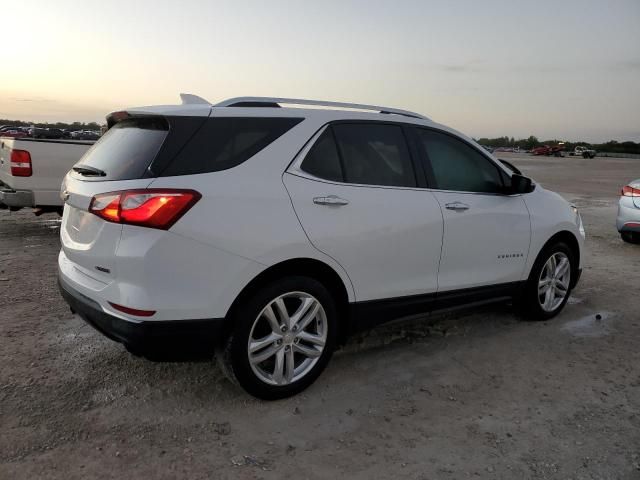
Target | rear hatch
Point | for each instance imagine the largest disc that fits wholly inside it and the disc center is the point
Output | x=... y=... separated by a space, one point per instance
x=121 y=160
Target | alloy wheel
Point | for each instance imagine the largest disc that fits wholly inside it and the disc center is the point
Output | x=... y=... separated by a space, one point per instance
x=553 y=284
x=287 y=338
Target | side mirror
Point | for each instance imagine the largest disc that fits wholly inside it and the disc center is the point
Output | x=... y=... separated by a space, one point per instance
x=521 y=184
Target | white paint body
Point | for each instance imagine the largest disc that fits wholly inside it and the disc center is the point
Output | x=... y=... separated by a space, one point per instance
x=629 y=211
x=387 y=242
x=50 y=162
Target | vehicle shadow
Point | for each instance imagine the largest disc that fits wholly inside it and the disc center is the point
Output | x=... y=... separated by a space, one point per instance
x=193 y=375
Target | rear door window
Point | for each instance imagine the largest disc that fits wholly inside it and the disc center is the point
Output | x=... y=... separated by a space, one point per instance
x=126 y=150
x=375 y=154
x=222 y=143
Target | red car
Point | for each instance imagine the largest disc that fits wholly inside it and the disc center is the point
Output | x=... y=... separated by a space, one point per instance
x=13 y=133
x=549 y=150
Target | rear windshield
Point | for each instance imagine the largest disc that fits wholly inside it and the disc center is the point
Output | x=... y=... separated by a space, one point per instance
x=126 y=150
x=223 y=143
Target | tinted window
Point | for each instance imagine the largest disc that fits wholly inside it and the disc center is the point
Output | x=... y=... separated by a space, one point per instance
x=375 y=154
x=223 y=143
x=322 y=160
x=127 y=149
x=457 y=166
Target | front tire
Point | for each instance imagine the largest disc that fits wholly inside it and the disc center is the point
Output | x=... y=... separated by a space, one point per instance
x=549 y=285
x=283 y=337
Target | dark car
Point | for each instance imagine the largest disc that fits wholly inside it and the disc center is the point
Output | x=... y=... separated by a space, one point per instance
x=50 y=133
x=86 y=135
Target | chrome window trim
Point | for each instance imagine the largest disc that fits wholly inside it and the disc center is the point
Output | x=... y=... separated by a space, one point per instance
x=295 y=168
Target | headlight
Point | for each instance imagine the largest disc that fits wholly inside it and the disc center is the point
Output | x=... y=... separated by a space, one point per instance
x=578 y=219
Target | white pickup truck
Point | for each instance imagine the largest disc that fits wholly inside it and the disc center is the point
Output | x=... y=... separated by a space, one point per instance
x=584 y=152
x=31 y=171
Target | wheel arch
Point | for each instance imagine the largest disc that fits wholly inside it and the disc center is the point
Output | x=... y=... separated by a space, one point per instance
x=307 y=267
x=570 y=239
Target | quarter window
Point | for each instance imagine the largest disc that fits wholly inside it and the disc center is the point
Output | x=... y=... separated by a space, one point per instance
x=457 y=166
x=323 y=161
x=223 y=143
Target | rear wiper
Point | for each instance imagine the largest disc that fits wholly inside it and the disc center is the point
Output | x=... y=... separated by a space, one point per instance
x=89 y=171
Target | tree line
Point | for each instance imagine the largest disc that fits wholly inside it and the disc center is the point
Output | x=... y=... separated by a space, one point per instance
x=61 y=125
x=612 y=146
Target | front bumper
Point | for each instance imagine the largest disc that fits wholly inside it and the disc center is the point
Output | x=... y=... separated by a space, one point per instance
x=149 y=338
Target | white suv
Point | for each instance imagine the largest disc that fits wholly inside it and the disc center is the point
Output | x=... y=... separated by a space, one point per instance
x=272 y=233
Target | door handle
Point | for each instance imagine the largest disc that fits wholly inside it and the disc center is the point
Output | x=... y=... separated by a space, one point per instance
x=330 y=200
x=457 y=206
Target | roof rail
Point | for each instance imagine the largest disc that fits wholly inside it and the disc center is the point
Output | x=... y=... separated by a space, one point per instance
x=270 y=102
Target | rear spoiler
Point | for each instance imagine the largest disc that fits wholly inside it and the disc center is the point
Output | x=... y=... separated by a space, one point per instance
x=186 y=98
x=119 y=116
x=116 y=117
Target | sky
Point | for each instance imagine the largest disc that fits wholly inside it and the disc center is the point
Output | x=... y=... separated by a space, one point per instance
x=566 y=69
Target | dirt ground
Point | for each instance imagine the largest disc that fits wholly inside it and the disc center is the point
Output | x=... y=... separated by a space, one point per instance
x=482 y=395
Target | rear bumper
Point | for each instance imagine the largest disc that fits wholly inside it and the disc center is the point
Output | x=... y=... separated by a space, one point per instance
x=628 y=219
x=147 y=337
x=15 y=198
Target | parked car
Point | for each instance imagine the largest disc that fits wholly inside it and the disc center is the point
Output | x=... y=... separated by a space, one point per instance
x=6 y=128
x=273 y=233
x=583 y=152
x=86 y=135
x=541 y=150
x=13 y=133
x=46 y=133
x=31 y=171
x=628 y=221
x=549 y=150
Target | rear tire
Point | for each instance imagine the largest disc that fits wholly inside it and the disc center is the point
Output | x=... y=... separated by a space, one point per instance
x=283 y=337
x=548 y=287
x=630 y=237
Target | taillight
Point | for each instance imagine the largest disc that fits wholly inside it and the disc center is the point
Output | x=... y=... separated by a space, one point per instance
x=629 y=191
x=21 y=163
x=153 y=208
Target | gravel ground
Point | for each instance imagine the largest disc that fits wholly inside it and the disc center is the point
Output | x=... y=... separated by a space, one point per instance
x=481 y=395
